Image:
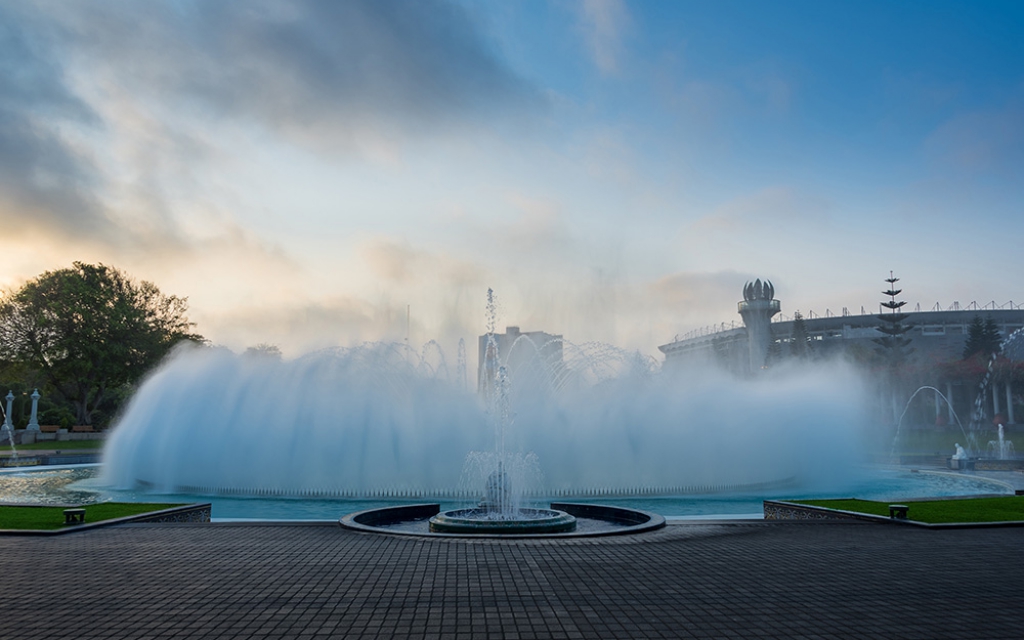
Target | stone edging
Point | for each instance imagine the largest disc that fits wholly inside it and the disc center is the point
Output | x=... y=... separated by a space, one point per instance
x=781 y=510
x=198 y=512
x=637 y=521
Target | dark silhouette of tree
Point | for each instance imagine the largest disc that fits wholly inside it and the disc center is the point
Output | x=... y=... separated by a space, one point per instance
x=90 y=332
x=892 y=346
x=982 y=337
x=799 y=339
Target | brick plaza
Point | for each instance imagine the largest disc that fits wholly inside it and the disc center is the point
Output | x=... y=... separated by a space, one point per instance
x=746 y=579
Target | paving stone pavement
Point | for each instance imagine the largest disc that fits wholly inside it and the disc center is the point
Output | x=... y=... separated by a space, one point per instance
x=740 y=580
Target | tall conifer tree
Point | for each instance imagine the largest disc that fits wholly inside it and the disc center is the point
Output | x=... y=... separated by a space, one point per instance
x=893 y=344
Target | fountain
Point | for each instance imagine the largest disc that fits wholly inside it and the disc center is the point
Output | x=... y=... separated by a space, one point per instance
x=501 y=510
x=893 y=458
x=389 y=423
x=380 y=422
x=1001 y=449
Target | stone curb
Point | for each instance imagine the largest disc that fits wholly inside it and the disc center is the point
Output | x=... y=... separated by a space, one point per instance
x=198 y=512
x=648 y=521
x=780 y=510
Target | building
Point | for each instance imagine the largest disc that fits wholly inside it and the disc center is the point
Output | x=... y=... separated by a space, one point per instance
x=937 y=338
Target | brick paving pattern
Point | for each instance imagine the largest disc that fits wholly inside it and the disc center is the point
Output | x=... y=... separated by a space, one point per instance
x=743 y=580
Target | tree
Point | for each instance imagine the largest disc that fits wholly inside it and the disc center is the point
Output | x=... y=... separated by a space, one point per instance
x=89 y=331
x=982 y=337
x=893 y=344
x=799 y=339
x=264 y=350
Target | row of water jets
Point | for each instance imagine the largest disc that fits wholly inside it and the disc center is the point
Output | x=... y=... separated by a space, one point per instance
x=1001 y=448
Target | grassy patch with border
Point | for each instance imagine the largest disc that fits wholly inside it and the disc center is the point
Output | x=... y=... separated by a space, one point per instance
x=31 y=517
x=999 y=509
x=55 y=445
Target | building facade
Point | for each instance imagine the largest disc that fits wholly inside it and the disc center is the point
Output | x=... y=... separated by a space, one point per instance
x=937 y=337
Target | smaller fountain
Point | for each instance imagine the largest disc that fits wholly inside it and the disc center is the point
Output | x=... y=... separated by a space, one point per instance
x=1001 y=449
x=496 y=514
x=500 y=511
x=894 y=458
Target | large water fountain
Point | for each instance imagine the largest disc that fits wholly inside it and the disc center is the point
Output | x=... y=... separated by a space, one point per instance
x=381 y=421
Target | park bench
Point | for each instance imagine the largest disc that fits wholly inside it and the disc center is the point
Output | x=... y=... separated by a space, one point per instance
x=49 y=428
x=74 y=516
x=82 y=428
x=898 y=511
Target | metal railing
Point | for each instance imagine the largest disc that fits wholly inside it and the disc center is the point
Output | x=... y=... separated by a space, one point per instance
x=712 y=329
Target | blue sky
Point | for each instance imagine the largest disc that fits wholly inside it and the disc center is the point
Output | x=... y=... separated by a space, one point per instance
x=616 y=171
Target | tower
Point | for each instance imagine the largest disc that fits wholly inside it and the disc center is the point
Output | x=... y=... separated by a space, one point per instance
x=757 y=309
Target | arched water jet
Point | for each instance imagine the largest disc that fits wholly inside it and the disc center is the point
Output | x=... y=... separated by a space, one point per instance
x=893 y=460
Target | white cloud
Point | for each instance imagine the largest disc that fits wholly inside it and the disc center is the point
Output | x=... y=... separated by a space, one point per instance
x=605 y=24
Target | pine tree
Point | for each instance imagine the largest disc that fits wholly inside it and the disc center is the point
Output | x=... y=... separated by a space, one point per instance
x=982 y=337
x=975 y=337
x=893 y=345
x=993 y=339
x=799 y=340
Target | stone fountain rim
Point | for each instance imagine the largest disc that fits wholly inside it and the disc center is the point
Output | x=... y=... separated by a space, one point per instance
x=369 y=521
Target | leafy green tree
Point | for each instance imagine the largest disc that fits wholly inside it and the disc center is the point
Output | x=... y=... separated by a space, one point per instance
x=982 y=337
x=89 y=332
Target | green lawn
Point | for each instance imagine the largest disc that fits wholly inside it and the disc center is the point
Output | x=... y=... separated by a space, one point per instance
x=53 y=517
x=1007 y=508
x=66 y=445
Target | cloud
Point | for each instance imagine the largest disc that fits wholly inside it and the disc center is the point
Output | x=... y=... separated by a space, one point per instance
x=313 y=70
x=604 y=24
x=982 y=141
x=44 y=180
x=115 y=115
x=684 y=290
x=400 y=263
x=299 y=328
x=770 y=209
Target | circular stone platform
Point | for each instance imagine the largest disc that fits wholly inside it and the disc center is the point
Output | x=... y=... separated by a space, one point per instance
x=475 y=521
x=591 y=520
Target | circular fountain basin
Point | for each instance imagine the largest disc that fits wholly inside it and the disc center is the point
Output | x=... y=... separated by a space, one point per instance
x=479 y=520
x=589 y=520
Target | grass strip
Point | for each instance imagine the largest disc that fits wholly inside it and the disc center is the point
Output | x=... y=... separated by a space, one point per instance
x=999 y=509
x=52 y=445
x=32 y=517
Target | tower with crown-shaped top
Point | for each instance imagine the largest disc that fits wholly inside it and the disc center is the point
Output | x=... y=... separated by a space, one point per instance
x=758 y=307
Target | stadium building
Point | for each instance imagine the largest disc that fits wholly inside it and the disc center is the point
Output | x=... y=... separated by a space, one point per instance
x=938 y=336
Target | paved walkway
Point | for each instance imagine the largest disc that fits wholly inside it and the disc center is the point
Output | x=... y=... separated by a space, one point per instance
x=744 y=580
